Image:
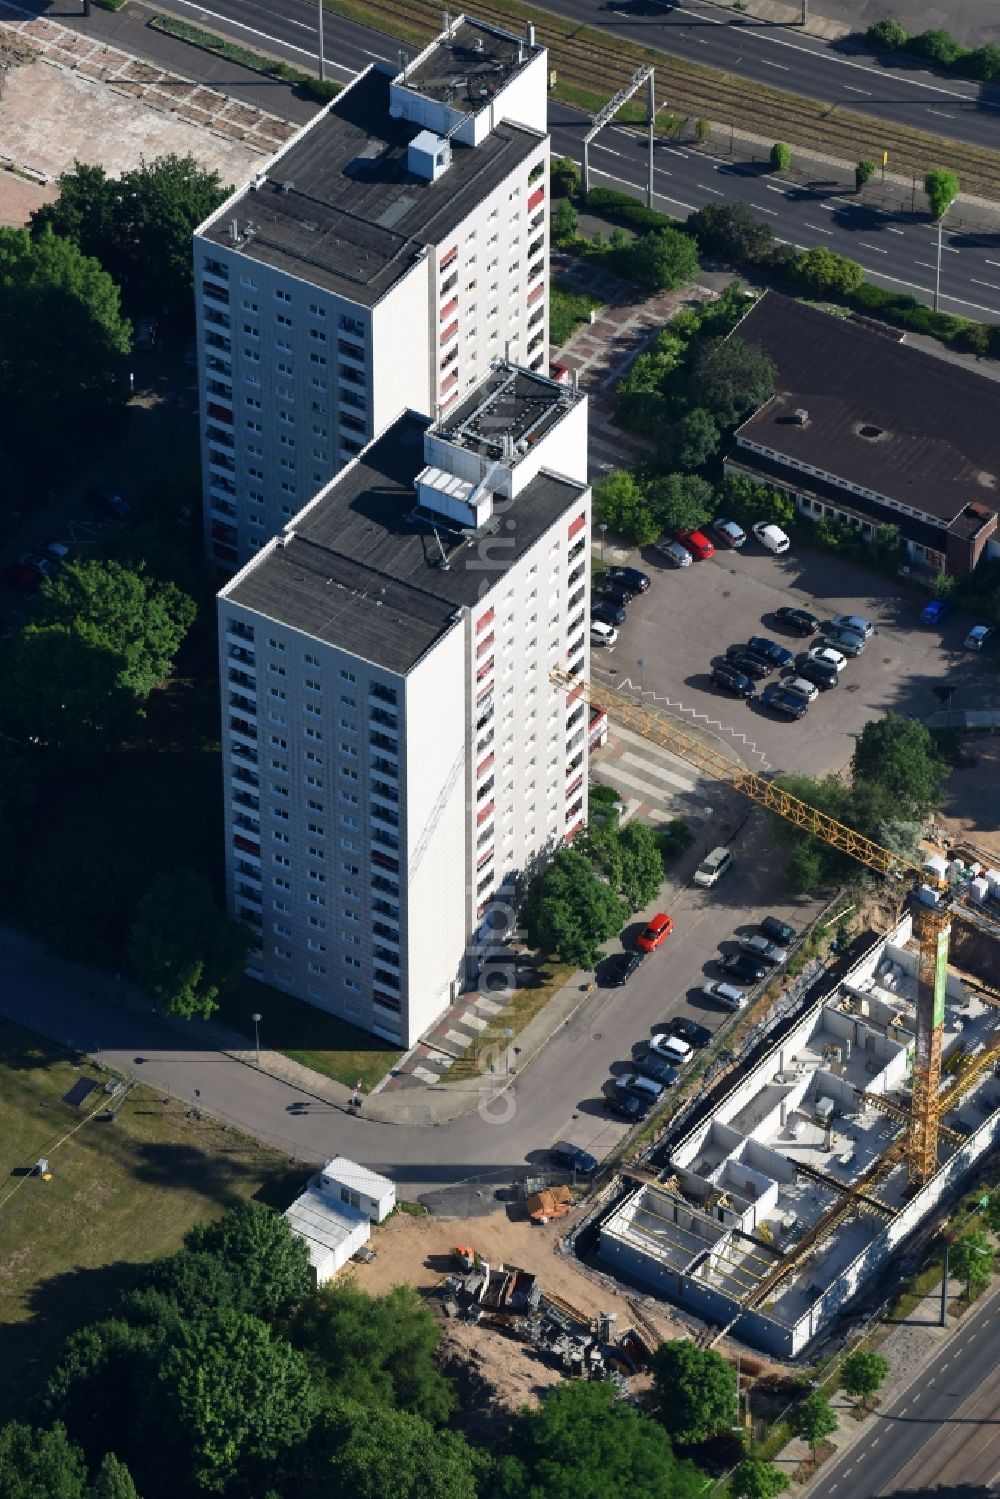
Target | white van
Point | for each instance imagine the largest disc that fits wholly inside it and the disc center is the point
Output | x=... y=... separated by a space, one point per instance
x=713 y=867
x=671 y=1048
x=602 y=634
x=772 y=537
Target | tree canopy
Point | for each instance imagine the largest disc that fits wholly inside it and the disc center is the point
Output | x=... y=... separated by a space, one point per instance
x=138 y=225
x=693 y=440
x=971 y=1259
x=899 y=754
x=583 y=1443
x=38 y=1462
x=753 y=1479
x=823 y=271
x=730 y=230
x=620 y=502
x=942 y=188
x=731 y=378
x=695 y=1390
x=863 y=1372
x=813 y=1419
x=680 y=500
x=258 y=1249
x=661 y=259
x=376 y=1452
x=184 y=951
x=570 y=911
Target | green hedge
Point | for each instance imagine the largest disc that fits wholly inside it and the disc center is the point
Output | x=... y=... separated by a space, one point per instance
x=620 y=208
x=243 y=57
x=937 y=47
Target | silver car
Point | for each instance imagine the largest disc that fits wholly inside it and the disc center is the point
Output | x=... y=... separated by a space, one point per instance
x=857 y=623
x=673 y=552
x=799 y=687
x=760 y=947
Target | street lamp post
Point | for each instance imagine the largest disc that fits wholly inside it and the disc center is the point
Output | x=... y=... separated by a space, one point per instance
x=256 y=1033
x=603 y=528
x=322 y=59
x=642 y=665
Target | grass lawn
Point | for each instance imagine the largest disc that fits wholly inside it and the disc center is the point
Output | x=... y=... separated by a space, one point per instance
x=311 y=1036
x=120 y=1194
x=524 y=1005
x=568 y=308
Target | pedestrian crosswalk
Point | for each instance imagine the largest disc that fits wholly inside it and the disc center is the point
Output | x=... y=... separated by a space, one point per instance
x=652 y=782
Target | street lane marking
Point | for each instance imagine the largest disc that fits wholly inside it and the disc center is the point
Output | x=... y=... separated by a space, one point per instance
x=851 y=90
x=928 y=265
x=781 y=65
x=673 y=150
x=877 y=248
x=757 y=208
x=817 y=228
x=991 y=262
x=892 y=230
x=941 y=114
x=771 y=189
x=991 y=287
x=706 y=189
x=267 y=37
x=610 y=149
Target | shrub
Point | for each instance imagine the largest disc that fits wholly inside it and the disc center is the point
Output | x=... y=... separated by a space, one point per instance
x=822 y=270
x=564 y=177
x=620 y=208
x=781 y=157
x=660 y=260
x=983 y=63
x=889 y=34
x=936 y=46
x=864 y=171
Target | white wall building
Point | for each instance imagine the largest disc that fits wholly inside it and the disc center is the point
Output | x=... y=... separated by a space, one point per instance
x=394 y=749
x=357 y=1187
x=380 y=262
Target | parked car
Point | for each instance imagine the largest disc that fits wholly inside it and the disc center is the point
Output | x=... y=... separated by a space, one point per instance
x=747 y=663
x=713 y=867
x=146 y=329
x=674 y=1048
x=602 y=634
x=751 y=970
x=800 y=686
x=769 y=650
x=777 y=930
x=56 y=552
x=724 y=674
x=625 y=1105
x=777 y=697
x=641 y=1087
x=759 y=947
x=573 y=1158
x=608 y=614
x=821 y=672
x=656 y=932
x=672 y=552
x=726 y=995
x=21 y=579
x=657 y=1068
x=855 y=622
x=848 y=642
x=98 y=497
x=770 y=536
x=799 y=621
x=978 y=637
x=729 y=534
x=620 y=968
x=935 y=611
x=689 y=1031
x=614 y=593
x=829 y=655
x=630 y=577
x=44 y=566
x=697 y=544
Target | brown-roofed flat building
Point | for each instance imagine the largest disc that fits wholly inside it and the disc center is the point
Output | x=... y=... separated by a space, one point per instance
x=865 y=429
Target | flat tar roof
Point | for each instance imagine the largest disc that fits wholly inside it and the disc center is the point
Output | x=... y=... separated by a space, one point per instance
x=880 y=414
x=359 y=571
x=470 y=63
x=340 y=208
x=511 y=402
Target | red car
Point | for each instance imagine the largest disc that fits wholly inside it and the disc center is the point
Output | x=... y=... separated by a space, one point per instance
x=658 y=930
x=697 y=543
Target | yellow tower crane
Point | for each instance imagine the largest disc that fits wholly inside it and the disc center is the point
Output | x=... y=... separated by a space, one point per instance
x=933 y=924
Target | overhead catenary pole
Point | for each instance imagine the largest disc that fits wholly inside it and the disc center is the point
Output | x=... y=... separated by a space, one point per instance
x=322 y=59
x=652 y=123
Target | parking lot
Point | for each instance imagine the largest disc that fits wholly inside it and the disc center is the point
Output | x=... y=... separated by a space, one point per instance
x=689 y=616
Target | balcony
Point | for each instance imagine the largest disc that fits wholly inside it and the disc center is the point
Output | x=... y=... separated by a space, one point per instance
x=536 y=292
x=535 y=246
x=537 y=316
x=242 y=752
x=350 y=351
x=248 y=777
x=486 y=669
x=449 y=333
x=447 y=258
x=386 y=839
x=538 y=196
x=246 y=799
x=577 y=574
x=237 y=630
x=484 y=859
x=247 y=892
x=387 y=767
x=574 y=787
x=486 y=812
x=537 y=221
x=385 y=908
x=247 y=846
x=237 y=700
x=383 y=717
x=485 y=764
x=536 y=342
x=242 y=679
x=383 y=789
x=450 y=382
x=252 y=871
x=223 y=507
x=240 y=726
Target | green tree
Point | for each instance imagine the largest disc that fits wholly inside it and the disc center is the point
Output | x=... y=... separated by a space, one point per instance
x=694 y=440
x=564 y=176
x=888 y=33
x=730 y=230
x=745 y=502
x=753 y=1479
x=121 y=609
x=642 y=865
x=101 y=1385
x=569 y=911
x=620 y=502
x=139 y=226
x=584 y=1443
x=937 y=46
x=731 y=378
x=40 y=1463
x=565 y=223
x=184 y=951
x=864 y=172
x=375 y=1452
x=823 y=271
x=813 y=1420
x=971 y=1259
x=983 y=63
x=81 y=900
x=113 y=1480
x=898 y=754
x=256 y=1245
x=680 y=500
x=694 y=1389
x=863 y=1373
x=62 y=337
x=660 y=260
x=62 y=689
x=233 y=1395
x=942 y=188
x=781 y=157
x=381 y=1351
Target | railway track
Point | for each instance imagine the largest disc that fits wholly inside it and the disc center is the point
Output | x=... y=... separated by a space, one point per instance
x=590 y=66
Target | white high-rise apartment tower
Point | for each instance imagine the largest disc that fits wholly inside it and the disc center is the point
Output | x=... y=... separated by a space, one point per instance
x=393 y=249
x=395 y=748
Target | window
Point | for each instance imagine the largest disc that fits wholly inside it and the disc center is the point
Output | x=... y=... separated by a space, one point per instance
x=282 y=296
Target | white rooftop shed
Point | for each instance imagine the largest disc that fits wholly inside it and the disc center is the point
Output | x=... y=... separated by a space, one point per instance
x=351 y=1185
x=332 y=1231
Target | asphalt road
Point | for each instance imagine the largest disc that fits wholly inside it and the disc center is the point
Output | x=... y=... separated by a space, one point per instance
x=940 y=1430
x=897 y=249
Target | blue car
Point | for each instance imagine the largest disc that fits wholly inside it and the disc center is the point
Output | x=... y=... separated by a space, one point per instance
x=787 y=703
x=769 y=650
x=934 y=612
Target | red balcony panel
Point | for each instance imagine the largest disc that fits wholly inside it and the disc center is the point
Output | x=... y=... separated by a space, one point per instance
x=536 y=292
x=485 y=619
x=220 y=413
x=572 y=696
x=484 y=859
x=447 y=258
x=449 y=333
x=384 y=861
x=485 y=643
x=448 y=308
x=538 y=196
x=576 y=527
x=485 y=669
x=575 y=786
x=484 y=814
x=484 y=764
x=449 y=400
x=576 y=828
x=246 y=844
